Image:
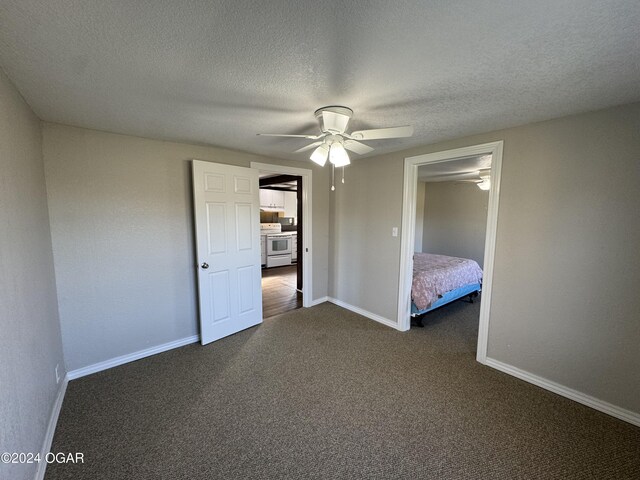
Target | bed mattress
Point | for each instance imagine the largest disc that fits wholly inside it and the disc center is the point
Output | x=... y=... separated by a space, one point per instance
x=435 y=275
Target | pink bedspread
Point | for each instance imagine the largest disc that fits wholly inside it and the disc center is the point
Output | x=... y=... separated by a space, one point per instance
x=435 y=275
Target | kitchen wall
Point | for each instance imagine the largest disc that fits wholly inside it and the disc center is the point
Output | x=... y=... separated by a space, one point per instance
x=455 y=220
x=565 y=302
x=30 y=343
x=122 y=233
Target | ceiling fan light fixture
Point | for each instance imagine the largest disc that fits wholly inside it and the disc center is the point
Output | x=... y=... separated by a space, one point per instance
x=338 y=155
x=320 y=155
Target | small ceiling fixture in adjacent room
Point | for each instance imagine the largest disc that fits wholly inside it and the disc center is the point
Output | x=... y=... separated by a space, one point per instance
x=484 y=183
x=333 y=142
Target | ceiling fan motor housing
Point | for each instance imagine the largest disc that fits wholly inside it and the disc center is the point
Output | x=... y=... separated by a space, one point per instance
x=333 y=119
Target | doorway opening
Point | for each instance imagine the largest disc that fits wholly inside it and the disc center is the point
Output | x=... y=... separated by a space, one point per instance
x=451 y=220
x=281 y=222
x=440 y=165
x=285 y=234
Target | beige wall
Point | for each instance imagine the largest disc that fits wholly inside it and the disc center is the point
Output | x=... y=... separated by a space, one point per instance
x=455 y=219
x=565 y=302
x=30 y=344
x=123 y=238
x=364 y=255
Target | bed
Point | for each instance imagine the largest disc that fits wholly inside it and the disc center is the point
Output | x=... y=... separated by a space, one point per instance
x=439 y=280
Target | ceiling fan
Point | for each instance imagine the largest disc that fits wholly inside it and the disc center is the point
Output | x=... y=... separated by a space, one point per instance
x=334 y=141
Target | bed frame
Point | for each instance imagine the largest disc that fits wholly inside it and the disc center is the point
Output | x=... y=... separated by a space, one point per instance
x=471 y=290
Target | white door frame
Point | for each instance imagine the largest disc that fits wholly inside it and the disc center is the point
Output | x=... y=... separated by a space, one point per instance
x=307 y=257
x=407 y=239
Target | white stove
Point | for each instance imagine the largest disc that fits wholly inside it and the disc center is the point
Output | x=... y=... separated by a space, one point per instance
x=277 y=245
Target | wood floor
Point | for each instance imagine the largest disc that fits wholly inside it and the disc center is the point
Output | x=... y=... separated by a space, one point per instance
x=279 y=292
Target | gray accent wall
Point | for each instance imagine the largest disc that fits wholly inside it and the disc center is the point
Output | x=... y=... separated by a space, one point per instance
x=565 y=294
x=122 y=228
x=30 y=343
x=454 y=219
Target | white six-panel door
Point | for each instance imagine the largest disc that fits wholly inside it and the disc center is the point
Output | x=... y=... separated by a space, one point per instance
x=227 y=219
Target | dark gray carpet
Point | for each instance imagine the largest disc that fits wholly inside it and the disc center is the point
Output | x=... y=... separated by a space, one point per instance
x=325 y=393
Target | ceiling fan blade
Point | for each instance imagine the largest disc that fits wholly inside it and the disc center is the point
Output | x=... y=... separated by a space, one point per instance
x=357 y=147
x=310 y=137
x=334 y=122
x=378 y=133
x=309 y=147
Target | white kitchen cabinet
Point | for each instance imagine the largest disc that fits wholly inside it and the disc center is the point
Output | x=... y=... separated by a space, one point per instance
x=263 y=249
x=265 y=198
x=278 y=199
x=272 y=199
x=290 y=204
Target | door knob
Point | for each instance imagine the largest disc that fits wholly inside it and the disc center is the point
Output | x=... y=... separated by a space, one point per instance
x=205 y=265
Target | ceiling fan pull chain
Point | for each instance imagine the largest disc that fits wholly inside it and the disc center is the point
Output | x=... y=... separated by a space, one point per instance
x=333 y=175
x=342 y=174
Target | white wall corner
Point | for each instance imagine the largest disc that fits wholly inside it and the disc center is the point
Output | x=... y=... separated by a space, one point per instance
x=365 y=313
x=51 y=428
x=318 y=301
x=588 y=400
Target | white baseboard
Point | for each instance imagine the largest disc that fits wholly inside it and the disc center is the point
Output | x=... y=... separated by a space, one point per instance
x=318 y=301
x=601 y=405
x=364 y=313
x=51 y=428
x=130 y=357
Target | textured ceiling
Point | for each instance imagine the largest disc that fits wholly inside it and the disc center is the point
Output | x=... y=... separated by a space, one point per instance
x=218 y=72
